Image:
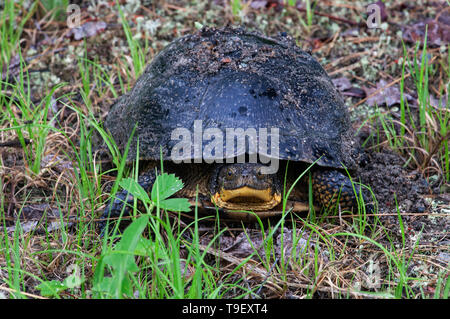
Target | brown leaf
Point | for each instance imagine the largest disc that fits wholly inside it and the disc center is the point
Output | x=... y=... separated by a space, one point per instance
x=258 y=4
x=342 y=83
x=438 y=32
x=345 y=87
x=87 y=30
x=440 y=102
x=386 y=96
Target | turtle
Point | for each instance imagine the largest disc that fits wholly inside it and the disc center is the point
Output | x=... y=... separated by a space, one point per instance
x=238 y=116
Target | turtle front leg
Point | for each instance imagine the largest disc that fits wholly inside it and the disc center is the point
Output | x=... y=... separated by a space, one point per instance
x=124 y=198
x=329 y=185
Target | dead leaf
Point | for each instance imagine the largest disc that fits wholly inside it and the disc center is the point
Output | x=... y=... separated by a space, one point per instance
x=87 y=30
x=258 y=4
x=56 y=162
x=345 y=87
x=40 y=216
x=438 y=32
x=441 y=102
x=388 y=96
x=342 y=83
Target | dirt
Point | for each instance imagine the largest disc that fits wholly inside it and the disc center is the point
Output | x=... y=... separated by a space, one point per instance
x=405 y=191
x=391 y=182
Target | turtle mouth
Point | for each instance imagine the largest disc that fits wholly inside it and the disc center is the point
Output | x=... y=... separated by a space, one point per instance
x=246 y=198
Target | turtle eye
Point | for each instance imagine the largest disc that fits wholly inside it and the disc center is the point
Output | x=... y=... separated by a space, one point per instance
x=229 y=174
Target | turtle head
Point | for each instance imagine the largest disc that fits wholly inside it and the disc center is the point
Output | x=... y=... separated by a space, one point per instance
x=244 y=186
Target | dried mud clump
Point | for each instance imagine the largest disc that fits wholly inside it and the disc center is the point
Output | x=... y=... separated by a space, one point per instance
x=391 y=182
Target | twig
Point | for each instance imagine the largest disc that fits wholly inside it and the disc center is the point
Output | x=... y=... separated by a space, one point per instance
x=379 y=90
x=15 y=143
x=22 y=292
x=332 y=17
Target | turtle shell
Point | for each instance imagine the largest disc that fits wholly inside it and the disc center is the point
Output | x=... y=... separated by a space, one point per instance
x=220 y=80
